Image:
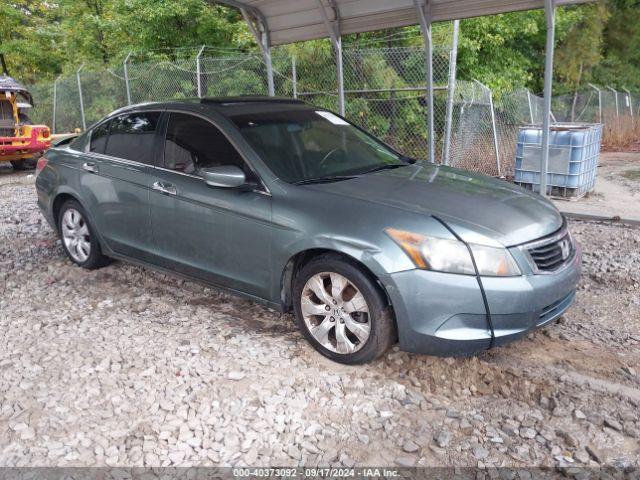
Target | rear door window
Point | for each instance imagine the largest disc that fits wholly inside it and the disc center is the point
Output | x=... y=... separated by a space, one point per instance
x=99 y=137
x=131 y=136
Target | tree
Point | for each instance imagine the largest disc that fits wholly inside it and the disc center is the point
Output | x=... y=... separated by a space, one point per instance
x=620 y=65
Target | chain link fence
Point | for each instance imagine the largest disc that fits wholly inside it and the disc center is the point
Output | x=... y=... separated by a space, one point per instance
x=385 y=93
x=598 y=104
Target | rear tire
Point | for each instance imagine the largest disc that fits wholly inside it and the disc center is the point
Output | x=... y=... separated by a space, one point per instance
x=348 y=320
x=78 y=237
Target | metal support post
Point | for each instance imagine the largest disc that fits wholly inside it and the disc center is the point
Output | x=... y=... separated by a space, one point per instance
x=549 y=11
x=261 y=35
x=451 y=90
x=424 y=15
x=333 y=28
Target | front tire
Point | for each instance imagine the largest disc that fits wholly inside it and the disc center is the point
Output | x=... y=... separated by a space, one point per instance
x=78 y=237
x=341 y=311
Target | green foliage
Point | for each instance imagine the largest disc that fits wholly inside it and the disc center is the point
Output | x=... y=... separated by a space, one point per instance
x=507 y=51
x=26 y=39
x=597 y=43
x=44 y=39
x=620 y=65
x=501 y=51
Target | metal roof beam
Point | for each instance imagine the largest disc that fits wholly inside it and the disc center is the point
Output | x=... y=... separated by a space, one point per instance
x=250 y=9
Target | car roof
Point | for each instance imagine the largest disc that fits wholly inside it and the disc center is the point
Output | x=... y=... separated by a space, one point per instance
x=226 y=106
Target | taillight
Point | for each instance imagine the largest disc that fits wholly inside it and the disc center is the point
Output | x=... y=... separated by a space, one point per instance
x=42 y=162
x=45 y=133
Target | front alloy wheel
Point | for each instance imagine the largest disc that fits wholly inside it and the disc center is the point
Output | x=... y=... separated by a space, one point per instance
x=336 y=313
x=342 y=310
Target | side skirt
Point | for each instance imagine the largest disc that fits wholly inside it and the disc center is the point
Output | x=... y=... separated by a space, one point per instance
x=152 y=266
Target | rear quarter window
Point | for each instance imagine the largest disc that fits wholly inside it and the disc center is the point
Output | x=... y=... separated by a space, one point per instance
x=78 y=143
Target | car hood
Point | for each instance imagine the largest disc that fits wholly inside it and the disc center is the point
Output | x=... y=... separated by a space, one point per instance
x=479 y=208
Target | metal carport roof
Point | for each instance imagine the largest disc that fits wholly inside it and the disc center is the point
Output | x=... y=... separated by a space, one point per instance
x=290 y=21
x=277 y=22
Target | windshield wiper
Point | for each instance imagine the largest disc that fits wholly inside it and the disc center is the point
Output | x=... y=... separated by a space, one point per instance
x=335 y=178
x=387 y=166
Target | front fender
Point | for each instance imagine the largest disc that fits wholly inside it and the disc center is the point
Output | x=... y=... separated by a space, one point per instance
x=366 y=254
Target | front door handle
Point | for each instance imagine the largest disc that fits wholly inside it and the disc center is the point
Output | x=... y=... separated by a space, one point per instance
x=90 y=167
x=164 y=188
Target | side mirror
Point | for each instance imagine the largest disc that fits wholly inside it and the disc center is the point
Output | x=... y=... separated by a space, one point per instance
x=226 y=176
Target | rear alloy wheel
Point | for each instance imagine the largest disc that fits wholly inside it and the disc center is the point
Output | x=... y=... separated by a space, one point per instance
x=78 y=238
x=342 y=312
x=75 y=235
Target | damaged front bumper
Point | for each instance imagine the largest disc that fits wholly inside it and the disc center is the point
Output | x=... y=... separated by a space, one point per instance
x=444 y=314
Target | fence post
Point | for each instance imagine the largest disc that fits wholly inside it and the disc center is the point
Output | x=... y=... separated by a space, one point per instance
x=451 y=90
x=55 y=98
x=294 y=77
x=493 y=125
x=199 y=71
x=84 y=123
x=340 y=71
x=630 y=100
x=530 y=106
x=599 y=101
x=126 y=77
x=615 y=94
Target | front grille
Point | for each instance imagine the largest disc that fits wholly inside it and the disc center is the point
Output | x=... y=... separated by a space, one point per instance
x=551 y=254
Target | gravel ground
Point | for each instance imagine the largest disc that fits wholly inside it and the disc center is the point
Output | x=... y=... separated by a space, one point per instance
x=126 y=366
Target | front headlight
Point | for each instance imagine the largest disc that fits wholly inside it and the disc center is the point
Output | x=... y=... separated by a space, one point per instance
x=452 y=256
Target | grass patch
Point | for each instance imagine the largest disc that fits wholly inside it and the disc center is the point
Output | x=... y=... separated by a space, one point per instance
x=632 y=175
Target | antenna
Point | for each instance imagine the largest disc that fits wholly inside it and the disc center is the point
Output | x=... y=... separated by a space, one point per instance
x=4 y=65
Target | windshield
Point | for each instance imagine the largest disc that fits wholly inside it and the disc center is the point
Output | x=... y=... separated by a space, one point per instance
x=303 y=145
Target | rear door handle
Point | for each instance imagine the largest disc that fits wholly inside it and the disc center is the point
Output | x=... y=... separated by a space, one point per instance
x=164 y=188
x=90 y=167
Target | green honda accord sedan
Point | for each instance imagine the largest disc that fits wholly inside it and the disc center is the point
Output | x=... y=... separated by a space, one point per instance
x=294 y=207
